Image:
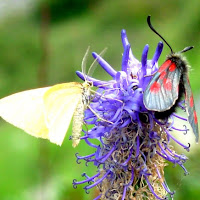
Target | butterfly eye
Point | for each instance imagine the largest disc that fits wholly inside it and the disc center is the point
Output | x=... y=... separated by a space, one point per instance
x=89 y=83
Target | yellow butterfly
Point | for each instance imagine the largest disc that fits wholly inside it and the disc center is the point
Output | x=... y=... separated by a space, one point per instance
x=47 y=112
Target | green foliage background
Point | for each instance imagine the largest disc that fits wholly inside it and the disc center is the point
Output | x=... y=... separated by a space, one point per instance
x=34 y=169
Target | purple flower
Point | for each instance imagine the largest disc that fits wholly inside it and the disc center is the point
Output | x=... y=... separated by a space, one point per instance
x=132 y=150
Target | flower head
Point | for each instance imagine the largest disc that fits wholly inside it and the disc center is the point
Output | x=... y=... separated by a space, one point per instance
x=132 y=150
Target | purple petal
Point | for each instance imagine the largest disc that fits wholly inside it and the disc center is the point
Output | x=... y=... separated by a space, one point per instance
x=87 y=180
x=157 y=53
x=144 y=56
x=125 y=42
x=124 y=193
x=104 y=64
x=124 y=38
x=98 y=197
x=125 y=58
x=98 y=181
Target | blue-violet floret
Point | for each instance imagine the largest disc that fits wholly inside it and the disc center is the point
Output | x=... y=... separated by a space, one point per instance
x=133 y=145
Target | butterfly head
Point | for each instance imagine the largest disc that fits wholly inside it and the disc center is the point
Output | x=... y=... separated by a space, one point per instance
x=86 y=95
x=87 y=84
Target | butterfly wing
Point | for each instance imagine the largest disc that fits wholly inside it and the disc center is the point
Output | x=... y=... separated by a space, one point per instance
x=190 y=108
x=25 y=110
x=163 y=89
x=60 y=103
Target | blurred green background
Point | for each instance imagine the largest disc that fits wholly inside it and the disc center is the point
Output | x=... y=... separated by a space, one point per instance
x=43 y=42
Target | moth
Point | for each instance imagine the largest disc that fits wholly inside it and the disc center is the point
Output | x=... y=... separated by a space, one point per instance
x=168 y=85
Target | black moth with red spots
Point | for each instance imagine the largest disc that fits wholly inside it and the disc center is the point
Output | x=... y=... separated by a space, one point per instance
x=168 y=85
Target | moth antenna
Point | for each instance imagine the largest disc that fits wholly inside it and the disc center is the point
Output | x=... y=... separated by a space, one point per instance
x=152 y=28
x=186 y=49
x=83 y=64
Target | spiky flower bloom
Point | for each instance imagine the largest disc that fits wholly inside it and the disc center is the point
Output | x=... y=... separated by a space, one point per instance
x=133 y=145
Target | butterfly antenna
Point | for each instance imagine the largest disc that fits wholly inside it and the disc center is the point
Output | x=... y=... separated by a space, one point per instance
x=83 y=64
x=94 y=63
x=152 y=28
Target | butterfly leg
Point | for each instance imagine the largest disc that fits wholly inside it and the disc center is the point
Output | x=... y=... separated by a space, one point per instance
x=101 y=96
x=93 y=111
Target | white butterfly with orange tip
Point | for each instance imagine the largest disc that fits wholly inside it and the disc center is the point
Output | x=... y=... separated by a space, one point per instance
x=47 y=112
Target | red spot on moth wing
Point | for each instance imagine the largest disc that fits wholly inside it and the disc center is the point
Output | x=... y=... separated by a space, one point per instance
x=191 y=101
x=162 y=75
x=195 y=117
x=155 y=87
x=167 y=83
x=164 y=66
x=172 y=67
